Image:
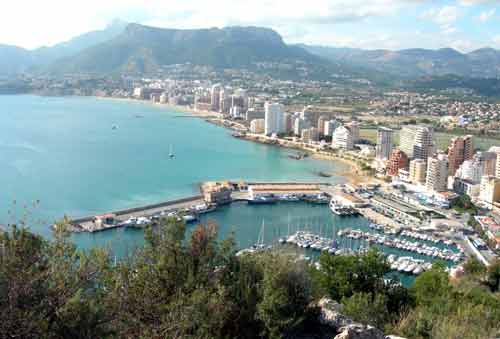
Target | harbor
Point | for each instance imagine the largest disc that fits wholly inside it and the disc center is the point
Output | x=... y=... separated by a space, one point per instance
x=214 y=194
x=309 y=217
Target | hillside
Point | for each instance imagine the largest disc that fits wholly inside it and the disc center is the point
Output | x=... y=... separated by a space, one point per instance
x=16 y=59
x=142 y=49
x=410 y=63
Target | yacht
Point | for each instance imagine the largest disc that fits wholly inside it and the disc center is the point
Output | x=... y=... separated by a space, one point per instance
x=204 y=208
x=262 y=200
x=340 y=209
x=189 y=218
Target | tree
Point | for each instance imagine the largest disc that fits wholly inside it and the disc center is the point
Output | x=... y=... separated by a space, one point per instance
x=464 y=204
x=367 y=308
x=432 y=288
x=494 y=276
x=342 y=276
x=473 y=267
x=50 y=289
x=285 y=297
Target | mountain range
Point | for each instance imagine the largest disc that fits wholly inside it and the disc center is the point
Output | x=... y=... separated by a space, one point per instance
x=143 y=49
x=417 y=62
x=139 y=49
x=15 y=59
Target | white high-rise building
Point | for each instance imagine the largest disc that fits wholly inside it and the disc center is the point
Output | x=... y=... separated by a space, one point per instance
x=470 y=170
x=274 y=118
x=215 y=97
x=417 y=141
x=437 y=173
x=342 y=138
x=299 y=125
x=487 y=161
x=498 y=166
x=330 y=127
x=481 y=164
x=418 y=171
x=384 y=143
x=353 y=126
x=257 y=126
x=489 y=191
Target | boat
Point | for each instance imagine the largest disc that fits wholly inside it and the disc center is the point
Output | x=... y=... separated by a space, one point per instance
x=411 y=267
x=320 y=199
x=324 y=174
x=259 y=245
x=262 y=200
x=114 y=127
x=418 y=270
x=189 y=218
x=289 y=197
x=204 y=208
x=340 y=209
x=171 y=154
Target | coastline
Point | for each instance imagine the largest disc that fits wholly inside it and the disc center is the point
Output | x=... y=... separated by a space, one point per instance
x=179 y=108
x=354 y=175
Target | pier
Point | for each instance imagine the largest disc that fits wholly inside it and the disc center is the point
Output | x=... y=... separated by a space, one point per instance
x=213 y=194
x=88 y=223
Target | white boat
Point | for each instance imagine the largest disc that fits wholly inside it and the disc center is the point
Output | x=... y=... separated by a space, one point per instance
x=171 y=154
x=262 y=200
x=402 y=267
x=418 y=270
x=204 y=208
x=340 y=209
x=410 y=268
x=189 y=218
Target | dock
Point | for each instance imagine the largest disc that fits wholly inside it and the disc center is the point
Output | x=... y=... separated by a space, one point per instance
x=88 y=224
x=212 y=194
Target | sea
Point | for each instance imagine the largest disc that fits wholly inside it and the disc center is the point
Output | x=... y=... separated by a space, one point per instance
x=80 y=156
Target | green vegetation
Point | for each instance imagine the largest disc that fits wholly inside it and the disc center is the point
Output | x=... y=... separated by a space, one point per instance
x=467 y=309
x=191 y=285
x=464 y=205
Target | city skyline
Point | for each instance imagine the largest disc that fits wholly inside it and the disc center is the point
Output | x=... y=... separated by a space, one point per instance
x=389 y=24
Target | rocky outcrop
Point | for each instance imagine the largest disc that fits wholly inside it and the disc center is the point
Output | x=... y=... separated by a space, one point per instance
x=359 y=331
x=331 y=315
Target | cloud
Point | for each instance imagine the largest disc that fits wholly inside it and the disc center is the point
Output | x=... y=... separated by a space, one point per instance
x=486 y=15
x=477 y=2
x=448 y=30
x=359 y=23
x=444 y=16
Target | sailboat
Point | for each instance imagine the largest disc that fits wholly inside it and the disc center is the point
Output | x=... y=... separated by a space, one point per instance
x=283 y=240
x=260 y=241
x=171 y=154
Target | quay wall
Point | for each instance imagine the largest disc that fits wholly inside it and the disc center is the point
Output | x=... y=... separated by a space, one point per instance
x=143 y=208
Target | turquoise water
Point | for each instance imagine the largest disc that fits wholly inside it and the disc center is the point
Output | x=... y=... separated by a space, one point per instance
x=60 y=155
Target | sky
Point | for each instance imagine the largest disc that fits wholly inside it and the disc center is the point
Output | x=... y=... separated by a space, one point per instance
x=465 y=25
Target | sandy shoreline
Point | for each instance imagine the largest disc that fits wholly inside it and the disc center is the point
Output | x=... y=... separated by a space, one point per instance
x=181 y=109
x=353 y=176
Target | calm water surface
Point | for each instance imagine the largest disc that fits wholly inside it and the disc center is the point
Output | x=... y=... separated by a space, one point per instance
x=62 y=155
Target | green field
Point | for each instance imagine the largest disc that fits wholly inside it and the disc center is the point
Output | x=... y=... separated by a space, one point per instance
x=442 y=139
